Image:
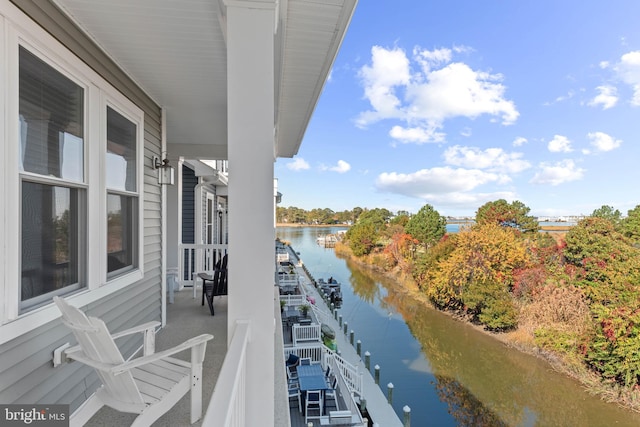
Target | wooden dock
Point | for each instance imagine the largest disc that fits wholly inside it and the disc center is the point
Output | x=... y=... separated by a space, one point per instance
x=381 y=412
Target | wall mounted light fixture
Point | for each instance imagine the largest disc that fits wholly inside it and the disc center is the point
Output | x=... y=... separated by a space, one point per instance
x=165 y=170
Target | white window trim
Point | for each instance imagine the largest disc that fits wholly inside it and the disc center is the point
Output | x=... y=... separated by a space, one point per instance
x=17 y=29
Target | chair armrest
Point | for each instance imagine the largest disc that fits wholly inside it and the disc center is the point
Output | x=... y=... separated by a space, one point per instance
x=140 y=328
x=140 y=361
x=76 y=354
x=149 y=330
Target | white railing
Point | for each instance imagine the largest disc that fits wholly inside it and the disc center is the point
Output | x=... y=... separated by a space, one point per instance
x=349 y=380
x=313 y=352
x=352 y=376
x=306 y=334
x=196 y=258
x=227 y=405
x=294 y=300
x=348 y=397
x=287 y=279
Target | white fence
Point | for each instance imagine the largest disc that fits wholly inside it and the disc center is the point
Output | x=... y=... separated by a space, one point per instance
x=227 y=404
x=313 y=352
x=294 y=300
x=349 y=399
x=306 y=334
x=350 y=373
x=349 y=379
x=196 y=258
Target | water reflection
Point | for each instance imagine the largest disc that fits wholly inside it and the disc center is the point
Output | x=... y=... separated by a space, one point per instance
x=362 y=284
x=464 y=406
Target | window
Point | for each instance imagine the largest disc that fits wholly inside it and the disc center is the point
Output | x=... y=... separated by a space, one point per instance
x=71 y=180
x=122 y=197
x=51 y=162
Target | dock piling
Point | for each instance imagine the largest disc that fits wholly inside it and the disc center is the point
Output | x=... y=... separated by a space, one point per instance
x=376 y=370
x=367 y=361
x=407 y=416
x=359 y=348
x=351 y=335
x=390 y=393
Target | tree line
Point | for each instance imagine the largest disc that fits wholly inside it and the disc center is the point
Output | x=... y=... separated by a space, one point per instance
x=326 y=216
x=575 y=294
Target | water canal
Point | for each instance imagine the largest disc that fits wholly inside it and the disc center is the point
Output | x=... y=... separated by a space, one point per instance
x=447 y=372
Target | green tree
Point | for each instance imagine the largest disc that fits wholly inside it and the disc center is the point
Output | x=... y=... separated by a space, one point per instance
x=362 y=238
x=427 y=226
x=379 y=217
x=402 y=218
x=630 y=225
x=609 y=213
x=514 y=214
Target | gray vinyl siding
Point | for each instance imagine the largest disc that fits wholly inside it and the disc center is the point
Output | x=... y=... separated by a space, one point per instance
x=26 y=371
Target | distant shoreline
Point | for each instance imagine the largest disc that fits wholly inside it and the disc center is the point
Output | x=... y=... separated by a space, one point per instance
x=542 y=227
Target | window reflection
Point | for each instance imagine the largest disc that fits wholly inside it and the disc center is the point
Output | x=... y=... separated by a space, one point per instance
x=51 y=121
x=51 y=229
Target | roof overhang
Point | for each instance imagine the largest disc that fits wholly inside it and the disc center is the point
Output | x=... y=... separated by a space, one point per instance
x=176 y=52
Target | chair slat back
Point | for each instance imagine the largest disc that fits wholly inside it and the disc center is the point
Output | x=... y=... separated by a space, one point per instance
x=97 y=344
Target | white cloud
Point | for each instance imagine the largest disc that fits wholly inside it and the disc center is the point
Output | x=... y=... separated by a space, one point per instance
x=560 y=144
x=427 y=90
x=466 y=132
x=388 y=69
x=438 y=180
x=298 y=164
x=340 y=167
x=603 y=142
x=468 y=201
x=416 y=134
x=519 y=141
x=558 y=173
x=430 y=58
x=629 y=71
x=492 y=159
x=607 y=97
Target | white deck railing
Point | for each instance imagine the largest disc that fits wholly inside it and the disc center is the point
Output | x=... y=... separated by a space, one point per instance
x=313 y=352
x=306 y=334
x=349 y=379
x=348 y=397
x=352 y=376
x=227 y=405
x=196 y=258
x=294 y=300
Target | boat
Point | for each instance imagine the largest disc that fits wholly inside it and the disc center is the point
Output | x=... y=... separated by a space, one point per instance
x=332 y=289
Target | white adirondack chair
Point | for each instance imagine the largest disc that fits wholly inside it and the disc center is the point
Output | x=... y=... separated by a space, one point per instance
x=148 y=385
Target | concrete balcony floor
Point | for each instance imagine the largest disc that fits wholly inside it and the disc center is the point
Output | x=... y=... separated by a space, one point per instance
x=186 y=318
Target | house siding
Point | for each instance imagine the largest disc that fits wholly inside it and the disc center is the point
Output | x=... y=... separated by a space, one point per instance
x=27 y=374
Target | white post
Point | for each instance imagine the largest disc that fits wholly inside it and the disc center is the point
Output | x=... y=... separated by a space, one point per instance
x=251 y=266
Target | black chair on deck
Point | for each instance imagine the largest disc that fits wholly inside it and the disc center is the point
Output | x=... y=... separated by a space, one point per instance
x=215 y=285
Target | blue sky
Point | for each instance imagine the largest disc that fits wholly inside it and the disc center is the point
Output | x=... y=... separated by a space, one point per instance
x=457 y=103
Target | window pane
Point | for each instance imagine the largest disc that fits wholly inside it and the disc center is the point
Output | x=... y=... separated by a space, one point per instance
x=122 y=232
x=51 y=121
x=121 y=152
x=51 y=239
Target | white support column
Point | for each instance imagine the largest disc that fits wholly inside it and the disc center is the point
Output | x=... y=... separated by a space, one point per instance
x=250 y=70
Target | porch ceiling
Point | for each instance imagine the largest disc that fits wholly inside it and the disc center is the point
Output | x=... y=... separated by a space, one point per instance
x=176 y=51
